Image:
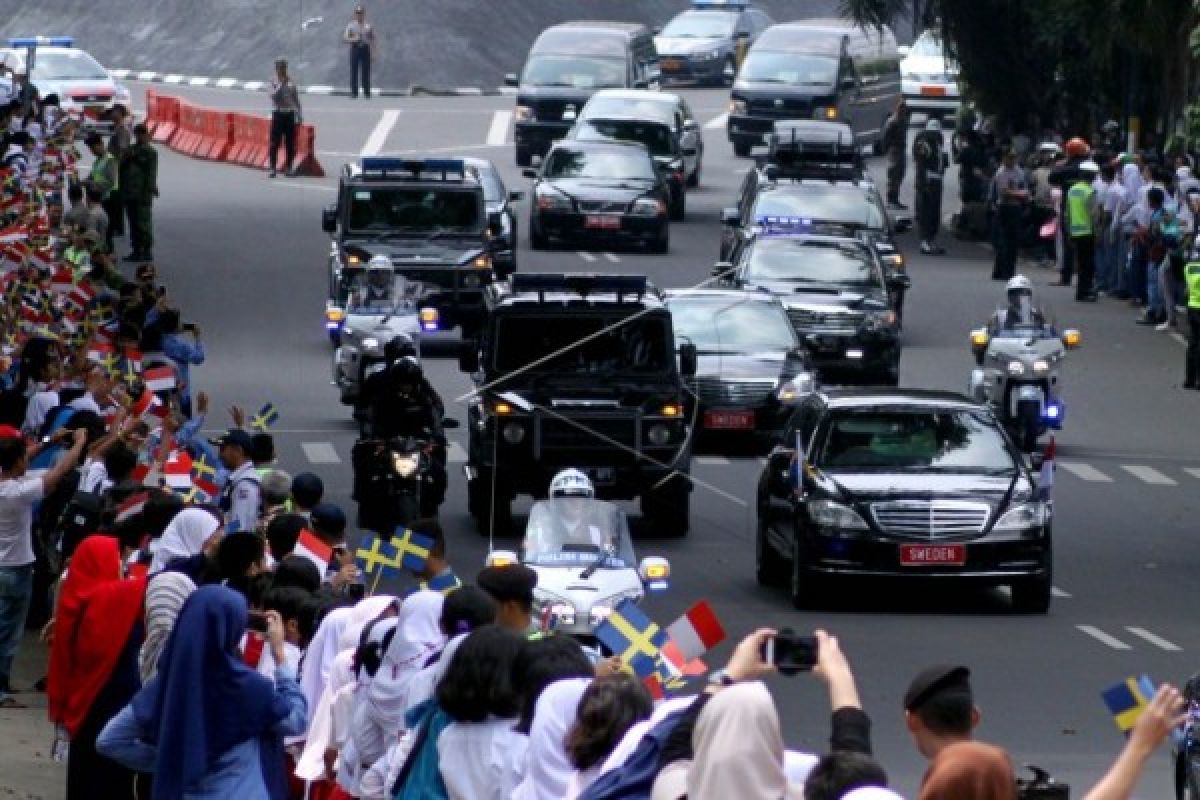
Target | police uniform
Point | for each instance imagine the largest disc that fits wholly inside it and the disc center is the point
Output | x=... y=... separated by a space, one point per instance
x=1191 y=276
x=241 y=498
x=934 y=682
x=1081 y=199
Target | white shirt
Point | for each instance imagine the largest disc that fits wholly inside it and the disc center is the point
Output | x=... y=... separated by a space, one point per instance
x=95 y=478
x=244 y=500
x=86 y=402
x=482 y=760
x=17 y=498
x=360 y=33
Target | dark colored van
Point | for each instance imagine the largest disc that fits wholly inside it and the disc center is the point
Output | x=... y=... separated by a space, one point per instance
x=827 y=69
x=566 y=65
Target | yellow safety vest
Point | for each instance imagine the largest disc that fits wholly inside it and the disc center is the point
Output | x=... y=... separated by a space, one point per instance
x=1191 y=274
x=1079 y=213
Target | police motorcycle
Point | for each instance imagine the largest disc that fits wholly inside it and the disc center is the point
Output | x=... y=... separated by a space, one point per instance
x=583 y=555
x=374 y=305
x=1018 y=357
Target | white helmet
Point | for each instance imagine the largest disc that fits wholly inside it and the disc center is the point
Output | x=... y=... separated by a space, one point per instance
x=571 y=483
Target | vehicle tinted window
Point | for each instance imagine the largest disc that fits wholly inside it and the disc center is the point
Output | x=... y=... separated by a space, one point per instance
x=657 y=138
x=565 y=41
x=386 y=208
x=731 y=325
x=577 y=72
x=67 y=65
x=916 y=439
x=700 y=25
x=576 y=345
x=844 y=205
x=793 y=69
x=624 y=164
x=642 y=108
x=798 y=40
x=842 y=264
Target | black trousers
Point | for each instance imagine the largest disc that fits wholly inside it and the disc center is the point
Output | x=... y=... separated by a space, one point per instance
x=1192 y=374
x=895 y=173
x=141 y=231
x=115 y=210
x=1008 y=233
x=1084 y=248
x=360 y=68
x=929 y=209
x=283 y=131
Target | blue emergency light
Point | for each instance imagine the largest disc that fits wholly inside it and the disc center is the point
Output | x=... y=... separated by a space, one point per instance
x=41 y=41
x=414 y=167
x=1053 y=414
x=773 y=225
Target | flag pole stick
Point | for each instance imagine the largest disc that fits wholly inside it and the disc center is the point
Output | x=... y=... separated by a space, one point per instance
x=375 y=583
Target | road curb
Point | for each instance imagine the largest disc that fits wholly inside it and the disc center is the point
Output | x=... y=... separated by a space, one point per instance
x=175 y=79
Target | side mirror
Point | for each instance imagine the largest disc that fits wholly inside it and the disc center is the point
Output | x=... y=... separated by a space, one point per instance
x=779 y=471
x=329 y=219
x=691 y=125
x=730 y=216
x=468 y=356
x=655 y=573
x=529 y=173
x=496 y=223
x=687 y=359
x=510 y=79
x=516 y=197
x=656 y=30
x=689 y=151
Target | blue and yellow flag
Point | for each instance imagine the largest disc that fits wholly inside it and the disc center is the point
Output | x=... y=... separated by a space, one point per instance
x=267 y=416
x=633 y=637
x=414 y=548
x=380 y=555
x=1128 y=699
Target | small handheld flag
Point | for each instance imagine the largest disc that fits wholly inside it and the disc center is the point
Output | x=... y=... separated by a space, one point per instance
x=697 y=631
x=132 y=505
x=1128 y=699
x=204 y=476
x=312 y=548
x=413 y=547
x=1046 y=474
x=177 y=471
x=633 y=638
x=381 y=556
x=159 y=379
x=267 y=416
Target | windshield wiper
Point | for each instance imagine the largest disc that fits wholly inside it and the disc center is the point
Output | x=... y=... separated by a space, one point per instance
x=595 y=565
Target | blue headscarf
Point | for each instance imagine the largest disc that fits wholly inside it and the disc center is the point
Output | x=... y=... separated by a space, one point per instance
x=205 y=699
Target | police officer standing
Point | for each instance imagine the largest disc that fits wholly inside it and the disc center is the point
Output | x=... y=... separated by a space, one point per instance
x=139 y=182
x=1010 y=191
x=105 y=179
x=241 y=497
x=118 y=144
x=285 y=115
x=360 y=36
x=929 y=155
x=1081 y=222
x=1191 y=276
x=895 y=139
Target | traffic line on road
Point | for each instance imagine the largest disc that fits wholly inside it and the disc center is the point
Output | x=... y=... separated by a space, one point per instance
x=1085 y=472
x=455 y=454
x=1102 y=637
x=320 y=453
x=610 y=257
x=1193 y=471
x=498 y=132
x=378 y=138
x=716 y=122
x=1154 y=639
x=1149 y=475
x=586 y=256
x=715 y=461
x=1057 y=592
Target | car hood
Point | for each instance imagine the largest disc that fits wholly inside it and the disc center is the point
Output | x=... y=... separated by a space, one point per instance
x=671 y=45
x=593 y=189
x=603 y=584
x=928 y=65
x=440 y=251
x=794 y=297
x=867 y=486
x=741 y=366
x=64 y=87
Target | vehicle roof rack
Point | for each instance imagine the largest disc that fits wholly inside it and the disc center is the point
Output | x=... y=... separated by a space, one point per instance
x=580 y=283
x=41 y=41
x=811 y=149
x=413 y=169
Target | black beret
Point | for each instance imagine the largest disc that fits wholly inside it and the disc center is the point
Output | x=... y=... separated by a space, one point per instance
x=512 y=582
x=935 y=680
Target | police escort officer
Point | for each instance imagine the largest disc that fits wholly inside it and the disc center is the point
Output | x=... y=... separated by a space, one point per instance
x=1191 y=276
x=241 y=497
x=139 y=187
x=1081 y=228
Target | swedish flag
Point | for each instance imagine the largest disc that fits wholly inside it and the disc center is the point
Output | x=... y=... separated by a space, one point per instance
x=267 y=416
x=633 y=637
x=380 y=555
x=1128 y=699
x=414 y=548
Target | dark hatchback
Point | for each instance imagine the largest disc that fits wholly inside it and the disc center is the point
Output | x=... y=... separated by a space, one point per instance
x=751 y=369
x=908 y=484
x=597 y=191
x=836 y=297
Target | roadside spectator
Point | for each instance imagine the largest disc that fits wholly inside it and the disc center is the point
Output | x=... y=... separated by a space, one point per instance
x=307 y=491
x=512 y=589
x=276 y=490
x=165 y=595
x=939 y=708
x=435 y=572
x=547 y=768
x=1162 y=717
x=105 y=178
x=541 y=662
x=929 y=158
x=838 y=773
x=464 y=610
x=182 y=345
x=139 y=188
x=187 y=535
x=1011 y=192
x=360 y=37
x=609 y=707
x=969 y=771
x=895 y=141
x=285 y=116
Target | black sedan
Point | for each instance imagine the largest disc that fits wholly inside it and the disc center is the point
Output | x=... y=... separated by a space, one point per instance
x=656 y=135
x=501 y=208
x=751 y=369
x=599 y=191
x=901 y=484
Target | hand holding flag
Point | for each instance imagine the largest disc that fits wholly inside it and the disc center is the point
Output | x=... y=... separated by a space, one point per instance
x=1127 y=700
x=413 y=547
x=633 y=638
x=266 y=417
x=315 y=550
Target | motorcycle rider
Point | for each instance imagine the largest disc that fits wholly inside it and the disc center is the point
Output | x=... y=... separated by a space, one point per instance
x=381 y=276
x=1020 y=311
x=571 y=492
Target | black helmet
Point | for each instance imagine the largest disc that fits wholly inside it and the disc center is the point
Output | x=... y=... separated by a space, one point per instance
x=406 y=372
x=398 y=347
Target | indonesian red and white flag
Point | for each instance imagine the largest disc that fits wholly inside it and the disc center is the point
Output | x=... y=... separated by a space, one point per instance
x=697 y=631
x=145 y=404
x=80 y=296
x=13 y=233
x=177 y=470
x=159 y=379
x=132 y=505
x=1046 y=474
x=63 y=280
x=312 y=548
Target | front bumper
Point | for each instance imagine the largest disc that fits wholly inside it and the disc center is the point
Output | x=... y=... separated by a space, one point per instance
x=687 y=68
x=535 y=137
x=931 y=95
x=851 y=351
x=456 y=292
x=746 y=129
x=573 y=226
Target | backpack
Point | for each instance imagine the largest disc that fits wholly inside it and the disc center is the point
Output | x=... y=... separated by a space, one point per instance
x=635 y=779
x=420 y=778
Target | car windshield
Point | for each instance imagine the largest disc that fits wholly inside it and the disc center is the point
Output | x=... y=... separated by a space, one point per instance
x=421 y=209
x=574 y=345
x=731 y=325
x=493 y=190
x=577 y=72
x=374 y=291
x=67 y=65
x=656 y=137
x=927 y=45
x=624 y=164
x=700 y=25
x=923 y=439
x=840 y=204
x=600 y=107
x=847 y=264
x=795 y=69
x=574 y=531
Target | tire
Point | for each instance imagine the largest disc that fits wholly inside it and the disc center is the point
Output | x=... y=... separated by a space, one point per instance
x=480 y=505
x=767 y=567
x=665 y=509
x=1028 y=427
x=678 y=205
x=663 y=243
x=537 y=239
x=803 y=587
x=728 y=72
x=741 y=149
x=694 y=179
x=1032 y=595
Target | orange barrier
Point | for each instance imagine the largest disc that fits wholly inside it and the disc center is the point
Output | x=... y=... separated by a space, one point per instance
x=218 y=135
x=152 y=120
x=251 y=139
x=191 y=129
x=306 y=152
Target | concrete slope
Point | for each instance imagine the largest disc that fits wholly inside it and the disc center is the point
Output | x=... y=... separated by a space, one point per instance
x=436 y=44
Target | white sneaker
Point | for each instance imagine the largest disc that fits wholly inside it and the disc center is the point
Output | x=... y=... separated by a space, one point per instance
x=1166 y=326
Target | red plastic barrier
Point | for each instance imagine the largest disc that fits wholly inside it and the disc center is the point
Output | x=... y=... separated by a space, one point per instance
x=251 y=139
x=168 y=118
x=152 y=120
x=218 y=135
x=306 y=153
x=190 y=135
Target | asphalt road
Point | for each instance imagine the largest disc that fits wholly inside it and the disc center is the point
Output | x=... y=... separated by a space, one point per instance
x=245 y=256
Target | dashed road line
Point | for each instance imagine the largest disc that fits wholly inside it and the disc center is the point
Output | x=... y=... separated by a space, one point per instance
x=586 y=256
x=498 y=132
x=1179 y=337
x=320 y=453
x=1154 y=639
x=714 y=461
x=1102 y=637
x=378 y=138
x=1057 y=592
x=225 y=83
x=455 y=454
x=716 y=122
x=610 y=257
x=1193 y=471
x=1084 y=472
x=1149 y=475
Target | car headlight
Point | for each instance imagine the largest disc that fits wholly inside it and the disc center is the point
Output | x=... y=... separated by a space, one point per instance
x=553 y=201
x=548 y=604
x=648 y=207
x=796 y=389
x=370 y=343
x=737 y=106
x=1015 y=368
x=1026 y=515
x=829 y=515
x=523 y=114
x=658 y=434
x=513 y=433
x=1041 y=367
x=825 y=112
x=405 y=464
x=879 y=320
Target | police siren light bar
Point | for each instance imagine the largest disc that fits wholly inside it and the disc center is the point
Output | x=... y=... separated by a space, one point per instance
x=812 y=149
x=41 y=41
x=719 y=5
x=581 y=283
x=445 y=169
x=777 y=225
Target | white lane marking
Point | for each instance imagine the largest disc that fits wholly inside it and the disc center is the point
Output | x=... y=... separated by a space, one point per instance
x=173 y=79
x=146 y=76
x=1193 y=471
x=455 y=454
x=225 y=83
x=611 y=258
x=716 y=122
x=714 y=461
x=1057 y=592
x=1179 y=337
x=253 y=86
x=1103 y=638
x=1085 y=472
x=320 y=89
x=198 y=81
x=119 y=74
x=498 y=132
x=320 y=453
x=1149 y=475
x=377 y=139
x=1154 y=639
x=586 y=256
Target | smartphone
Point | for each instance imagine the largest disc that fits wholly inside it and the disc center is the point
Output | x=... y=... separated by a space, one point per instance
x=257 y=622
x=791 y=653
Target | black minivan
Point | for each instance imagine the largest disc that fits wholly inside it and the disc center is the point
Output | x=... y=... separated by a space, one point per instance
x=567 y=64
x=815 y=69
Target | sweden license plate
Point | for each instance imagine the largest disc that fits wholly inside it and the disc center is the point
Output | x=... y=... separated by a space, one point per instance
x=933 y=91
x=943 y=555
x=602 y=222
x=729 y=420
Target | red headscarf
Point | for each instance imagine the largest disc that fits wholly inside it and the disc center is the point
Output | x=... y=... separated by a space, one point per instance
x=969 y=771
x=96 y=611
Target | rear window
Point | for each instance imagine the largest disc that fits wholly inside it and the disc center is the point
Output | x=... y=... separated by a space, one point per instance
x=656 y=138
x=919 y=439
x=566 y=41
x=821 y=203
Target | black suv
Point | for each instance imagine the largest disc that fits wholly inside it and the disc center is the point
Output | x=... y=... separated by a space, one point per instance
x=429 y=216
x=910 y=485
x=578 y=370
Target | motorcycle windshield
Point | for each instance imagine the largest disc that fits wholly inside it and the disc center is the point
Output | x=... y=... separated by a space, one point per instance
x=574 y=532
x=1021 y=321
x=366 y=296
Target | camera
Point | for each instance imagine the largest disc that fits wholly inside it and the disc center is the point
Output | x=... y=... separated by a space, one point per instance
x=257 y=622
x=1041 y=786
x=790 y=653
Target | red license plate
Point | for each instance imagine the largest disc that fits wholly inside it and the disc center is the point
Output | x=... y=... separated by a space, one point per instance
x=670 y=65
x=602 y=222
x=933 y=91
x=729 y=420
x=919 y=555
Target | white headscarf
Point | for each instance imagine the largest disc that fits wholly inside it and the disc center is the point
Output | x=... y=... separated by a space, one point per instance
x=319 y=655
x=184 y=537
x=418 y=635
x=1131 y=179
x=423 y=685
x=871 y=793
x=165 y=595
x=547 y=769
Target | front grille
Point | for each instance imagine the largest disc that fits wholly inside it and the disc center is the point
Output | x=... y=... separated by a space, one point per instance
x=601 y=206
x=587 y=432
x=932 y=519
x=717 y=392
x=91 y=98
x=791 y=109
x=806 y=321
x=549 y=110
